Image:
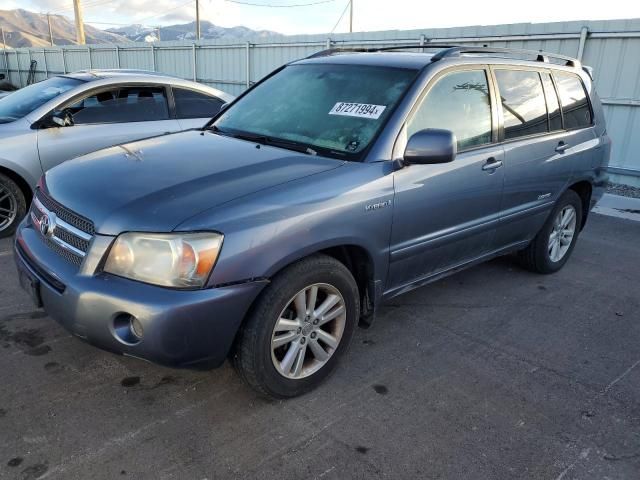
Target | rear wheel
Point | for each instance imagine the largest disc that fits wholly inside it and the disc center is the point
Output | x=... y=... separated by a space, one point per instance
x=300 y=326
x=13 y=206
x=552 y=246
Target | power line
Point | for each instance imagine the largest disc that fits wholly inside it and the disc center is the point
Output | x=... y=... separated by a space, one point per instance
x=87 y=4
x=341 y=15
x=269 y=5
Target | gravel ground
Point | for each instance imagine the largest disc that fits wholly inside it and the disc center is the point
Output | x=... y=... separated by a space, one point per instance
x=624 y=190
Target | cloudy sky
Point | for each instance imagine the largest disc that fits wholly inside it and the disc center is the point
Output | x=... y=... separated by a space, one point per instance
x=322 y=17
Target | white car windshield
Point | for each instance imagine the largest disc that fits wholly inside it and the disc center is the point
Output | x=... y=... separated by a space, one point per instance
x=24 y=101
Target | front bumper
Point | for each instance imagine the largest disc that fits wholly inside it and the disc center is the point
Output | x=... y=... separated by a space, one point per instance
x=181 y=328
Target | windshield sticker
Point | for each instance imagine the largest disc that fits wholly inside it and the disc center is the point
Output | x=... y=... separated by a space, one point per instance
x=352 y=146
x=360 y=110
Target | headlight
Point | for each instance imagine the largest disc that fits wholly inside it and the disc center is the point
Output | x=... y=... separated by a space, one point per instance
x=179 y=260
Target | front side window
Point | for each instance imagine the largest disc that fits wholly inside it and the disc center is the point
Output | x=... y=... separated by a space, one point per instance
x=459 y=102
x=523 y=103
x=335 y=110
x=192 y=104
x=24 y=101
x=121 y=105
x=573 y=98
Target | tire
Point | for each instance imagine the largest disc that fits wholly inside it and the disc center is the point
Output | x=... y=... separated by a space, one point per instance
x=539 y=256
x=13 y=206
x=276 y=371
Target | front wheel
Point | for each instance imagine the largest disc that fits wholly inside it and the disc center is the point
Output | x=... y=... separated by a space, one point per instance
x=299 y=328
x=552 y=246
x=13 y=206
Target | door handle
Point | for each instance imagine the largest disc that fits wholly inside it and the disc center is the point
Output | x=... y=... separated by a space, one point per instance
x=491 y=164
x=561 y=147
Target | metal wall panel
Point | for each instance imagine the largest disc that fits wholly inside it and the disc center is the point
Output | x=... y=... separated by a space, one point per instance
x=612 y=47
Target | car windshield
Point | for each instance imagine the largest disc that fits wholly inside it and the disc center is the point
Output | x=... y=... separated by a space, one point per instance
x=24 y=101
x=334 y=110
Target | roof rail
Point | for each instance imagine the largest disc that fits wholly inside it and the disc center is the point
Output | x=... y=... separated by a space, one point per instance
x=540 y=56
x=447 y=51
x=331 y=51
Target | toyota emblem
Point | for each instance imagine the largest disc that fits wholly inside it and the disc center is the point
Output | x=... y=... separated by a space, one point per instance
x=47 y=225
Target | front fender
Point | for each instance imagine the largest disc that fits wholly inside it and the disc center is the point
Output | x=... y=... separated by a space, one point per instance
x=271 y=229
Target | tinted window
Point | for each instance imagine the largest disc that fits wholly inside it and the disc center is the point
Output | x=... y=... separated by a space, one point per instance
x=191 y=104
x=458 y=102
x=27 y=99
x=573 y=98
x=121 y=105
x=523 y=103
x=335 y=109
x=555 y=118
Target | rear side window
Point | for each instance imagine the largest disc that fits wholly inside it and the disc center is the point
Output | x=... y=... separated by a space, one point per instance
x=192 y=104
x=573 y=98
x=555 y=118
x=122 y=105
x=523 y=103
x=458 y=102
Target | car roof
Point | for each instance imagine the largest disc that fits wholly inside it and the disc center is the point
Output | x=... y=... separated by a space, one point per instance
x=411 y=60
x=415 y=57
x=95 y=74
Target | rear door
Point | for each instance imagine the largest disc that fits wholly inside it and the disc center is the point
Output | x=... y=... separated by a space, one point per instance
x=537 y=150
x=104 y=118
x=193 y=108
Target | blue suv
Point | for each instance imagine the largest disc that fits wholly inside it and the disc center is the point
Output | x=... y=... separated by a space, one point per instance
x=337 y=182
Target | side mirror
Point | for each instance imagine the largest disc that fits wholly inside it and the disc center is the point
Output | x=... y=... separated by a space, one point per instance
x=2 y=76
x=431 y=146
x=57 y=118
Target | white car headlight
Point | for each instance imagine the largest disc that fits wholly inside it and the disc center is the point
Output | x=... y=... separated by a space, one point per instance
x=178 y=260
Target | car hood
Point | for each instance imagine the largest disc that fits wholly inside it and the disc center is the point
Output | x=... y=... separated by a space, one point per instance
x=158 y=183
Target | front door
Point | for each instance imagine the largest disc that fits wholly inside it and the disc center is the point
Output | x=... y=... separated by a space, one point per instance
x=106 y=118
x=445 y=215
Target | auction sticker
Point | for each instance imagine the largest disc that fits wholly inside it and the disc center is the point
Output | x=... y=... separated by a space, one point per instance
x=360 y=110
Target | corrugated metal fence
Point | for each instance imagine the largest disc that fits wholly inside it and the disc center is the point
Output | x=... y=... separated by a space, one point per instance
x=611 y=47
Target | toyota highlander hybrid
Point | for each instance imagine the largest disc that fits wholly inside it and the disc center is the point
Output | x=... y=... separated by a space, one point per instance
x=337 y=182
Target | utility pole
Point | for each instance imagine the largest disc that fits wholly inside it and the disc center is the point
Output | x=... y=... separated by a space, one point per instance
x=197 y=19
x=77 y=9
x=6 y=55
x=50 y=31
x=351 y=16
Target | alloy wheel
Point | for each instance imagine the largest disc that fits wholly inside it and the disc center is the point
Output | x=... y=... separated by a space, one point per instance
x=308 y=331
x=8 y=208
x=562 y=233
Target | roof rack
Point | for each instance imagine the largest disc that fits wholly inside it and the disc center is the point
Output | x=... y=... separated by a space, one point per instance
x=448 y=51
x=540 y=56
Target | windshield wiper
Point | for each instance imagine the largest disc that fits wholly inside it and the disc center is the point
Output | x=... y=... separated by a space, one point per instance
x=290 y=145
x=265 y=140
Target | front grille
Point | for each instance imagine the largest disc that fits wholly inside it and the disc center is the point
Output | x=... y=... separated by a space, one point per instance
x=69 y=238
x=64 y=231
x=65 y=214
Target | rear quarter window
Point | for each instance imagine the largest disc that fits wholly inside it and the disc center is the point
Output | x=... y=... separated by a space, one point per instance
x=574 y=101
x=192 y=104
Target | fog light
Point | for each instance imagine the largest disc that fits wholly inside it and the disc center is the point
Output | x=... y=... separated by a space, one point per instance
x=127 y=329
x=136 y=327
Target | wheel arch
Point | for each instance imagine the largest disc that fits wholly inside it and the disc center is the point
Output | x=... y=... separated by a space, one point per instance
x=20 y=181
x=584 y=189
x=359 y=260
